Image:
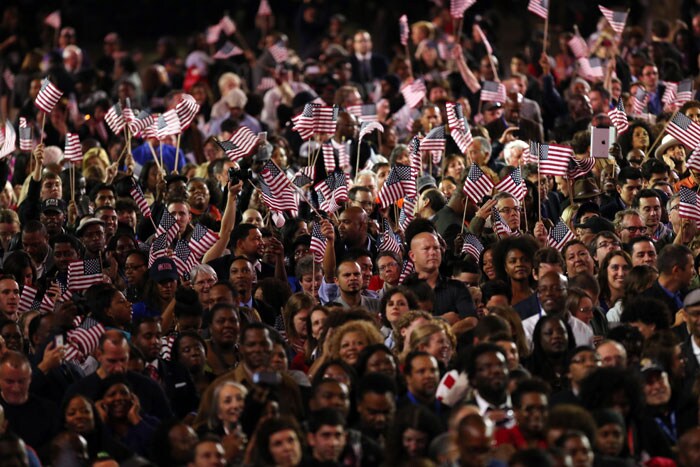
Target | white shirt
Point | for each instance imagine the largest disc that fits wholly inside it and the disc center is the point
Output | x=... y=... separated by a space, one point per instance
x=696 y=349
x=583 y=334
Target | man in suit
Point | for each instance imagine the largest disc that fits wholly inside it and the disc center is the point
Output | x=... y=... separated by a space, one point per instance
x=488 y=373
x=675 y=265
x=422 y=378
x=172 y=377
x=366 y=65
x=691 y=346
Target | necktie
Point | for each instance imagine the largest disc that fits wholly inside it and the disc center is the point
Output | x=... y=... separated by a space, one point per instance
x=153 y=372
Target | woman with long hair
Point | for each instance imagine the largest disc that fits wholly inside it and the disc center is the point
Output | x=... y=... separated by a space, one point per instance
x=395 y=302
x=611 y=278
x=552 y=340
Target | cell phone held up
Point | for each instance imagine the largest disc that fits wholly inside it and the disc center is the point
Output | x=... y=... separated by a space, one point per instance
x=237 y=175
x=267 y=378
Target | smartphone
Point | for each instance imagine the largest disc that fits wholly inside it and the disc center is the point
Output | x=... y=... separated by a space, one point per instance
x=58 y=340
x=269 y=378
x=601 y=140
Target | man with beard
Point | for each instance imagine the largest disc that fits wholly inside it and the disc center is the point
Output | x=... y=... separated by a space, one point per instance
x=422 y=376
x=171 y=375
x=91 y=233
x=35 y=241
x=53 y=216
x=254 y=373
x=349 y=280
x=103 y=195
x=530 y=401
x=376 y=406
x=353 y=232
x=648 y=203
x=488 y=374
x=551 y=292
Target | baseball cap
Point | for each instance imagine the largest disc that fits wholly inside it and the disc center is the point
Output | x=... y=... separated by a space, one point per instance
x=53 y=204
x=163 y=269
x=597 y=224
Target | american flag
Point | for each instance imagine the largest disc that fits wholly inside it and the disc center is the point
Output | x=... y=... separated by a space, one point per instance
x=84 y=340
x=669 y=93
x=82 y=274
x=492 y=91
x=684 y=130
x=688 y=206
x=500 y=226
x=26 y=143
x=514 y=184
x=694 y=160
x=115 y=118
x=560 y=235
x=303 y=123
x=186 y=110
x=325 y=118
x=553 y=158
x=9 y=140
x=472 y=246
x=228 y=50
x=53 y=19
x=182 y=256
x=264 y=8
x=277 y=191
x=407 y=212
x=126 y=110
x=364 y=112
x=201 y=241
x=140 y=199
x=539 y=7
x=158 y=248
x=434 y=140
x=407 y=269
x=343 y=156
x=580 y=167
x=455 y=117
x=266 y=82
x=414 y=153
x=403 y=30
x=168 y=124
x=328 y=156
x=590 y=68
x=639 y=101
x=318 y=243
x=333 y=191
x=413 y=93
x=484 y=39
x=30 y=300
x=458 y=7
x=389 y=240
x=304 y=176
x=279 y=52
x=399 y=183
x=684 y=93
x=618 y=117
x=477 y=184
x=142 y=121
x=616 y=19
x=213 y=34
x=73 y=151
x=168 y=225
x=48 y=96
x=241 y=144
x=368 y=127
x=578 y=46
x=227 y=25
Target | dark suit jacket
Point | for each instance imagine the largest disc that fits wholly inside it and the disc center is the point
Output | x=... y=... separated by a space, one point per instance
x=609 y=210
x=378 y=68
x=655 y=291
x=177 y=383
x=691 y=363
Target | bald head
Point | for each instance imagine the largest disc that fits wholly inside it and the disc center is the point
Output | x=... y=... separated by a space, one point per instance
x=612 y=354
x=15 y=377
x=353 y=226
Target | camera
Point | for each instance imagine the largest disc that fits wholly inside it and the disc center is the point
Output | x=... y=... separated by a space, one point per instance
x=237 y=175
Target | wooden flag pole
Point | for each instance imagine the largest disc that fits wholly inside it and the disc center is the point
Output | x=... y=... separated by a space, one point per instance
x=155 y=156
x=43 y=123
x=546 y=28
x=177 y=150
x=464 y=214
x=357 y=159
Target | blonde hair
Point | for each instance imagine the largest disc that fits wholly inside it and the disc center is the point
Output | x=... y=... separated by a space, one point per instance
x=405 y=321
x=367 y=329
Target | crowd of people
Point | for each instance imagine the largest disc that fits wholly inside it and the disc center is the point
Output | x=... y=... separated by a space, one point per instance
x=394 y=320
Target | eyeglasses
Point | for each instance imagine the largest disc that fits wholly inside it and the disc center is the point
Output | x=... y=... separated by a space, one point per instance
x=609 y=244
x=635 y=229
x=507 y=211
x=585 y=310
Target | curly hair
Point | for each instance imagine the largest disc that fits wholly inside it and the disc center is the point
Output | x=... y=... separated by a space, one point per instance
x=370 y=332
x=526 y=245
